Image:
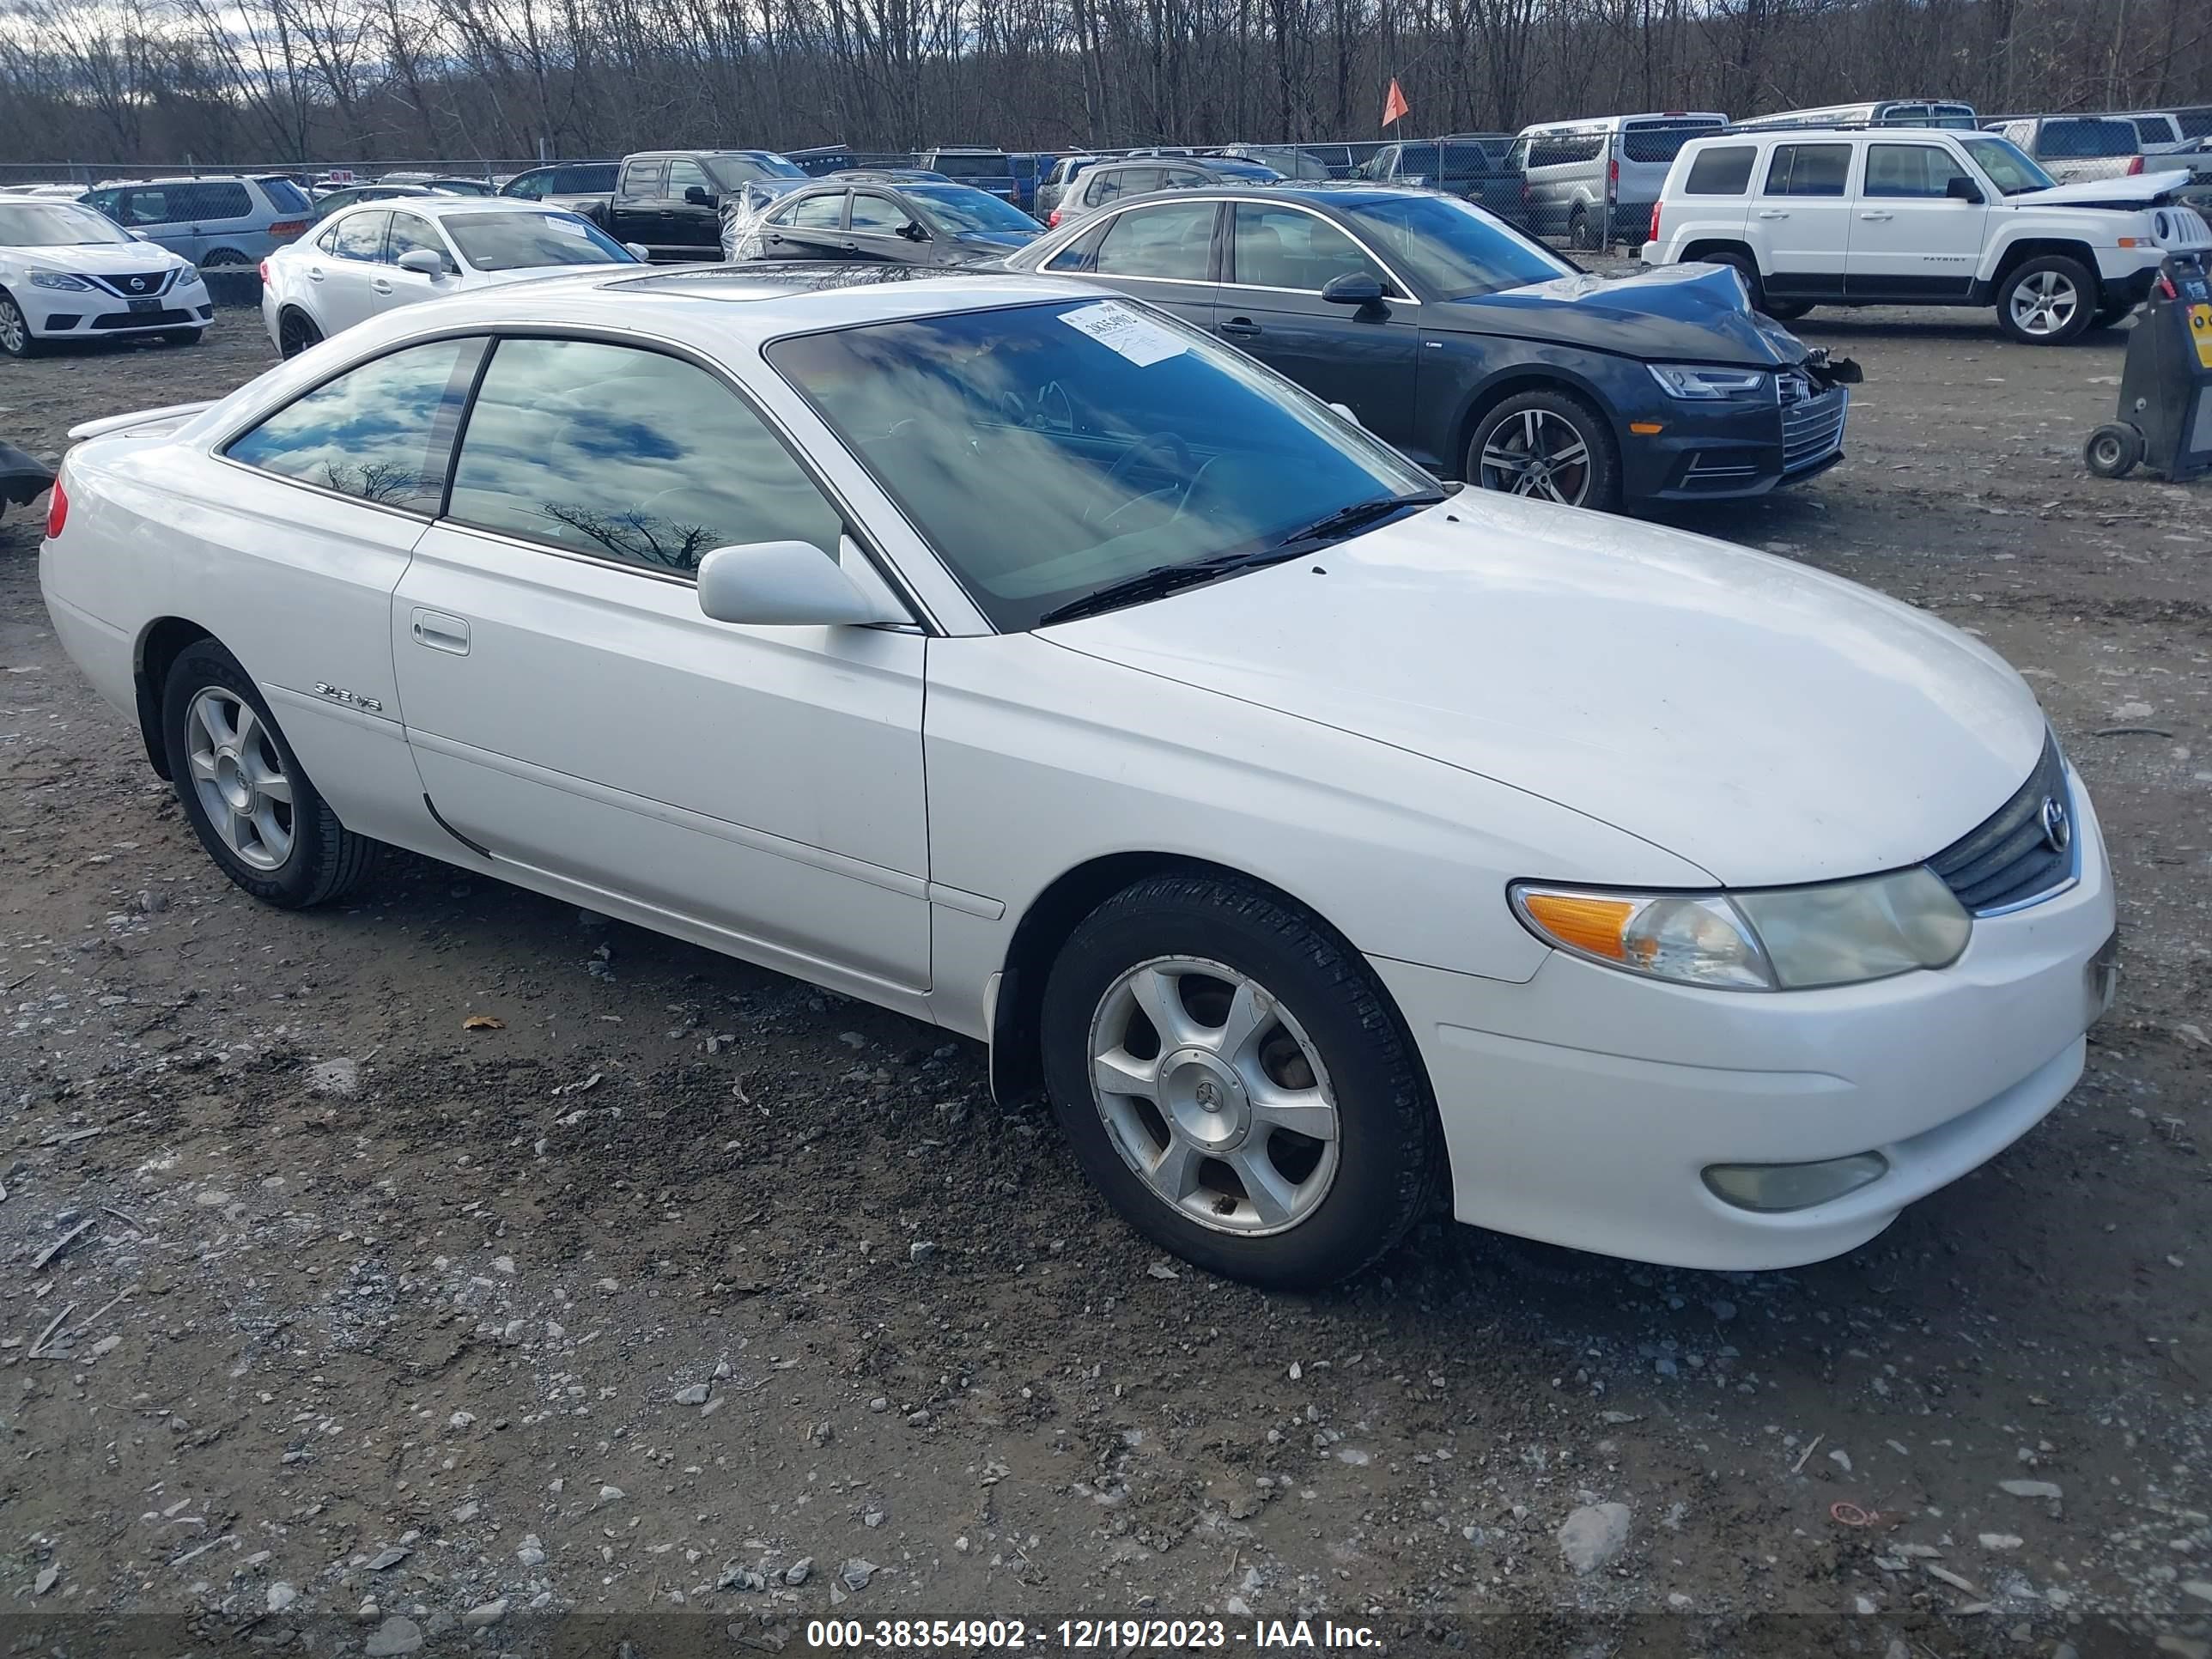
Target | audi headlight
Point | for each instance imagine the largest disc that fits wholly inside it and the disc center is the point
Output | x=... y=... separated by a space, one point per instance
x=1702 y=385
x=1781 y=939
x=57 y=279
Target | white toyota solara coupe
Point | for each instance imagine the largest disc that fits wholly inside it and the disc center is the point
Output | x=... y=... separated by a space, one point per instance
x=1029 y=662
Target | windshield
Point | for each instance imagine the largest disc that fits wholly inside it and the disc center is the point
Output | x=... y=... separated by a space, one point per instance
x=1452 y=247
x=953 y=166
x=730 y=171
x=1047 y=451
x=957 y=207
x=2007 y=166
x=53 y=224
x=516 y=241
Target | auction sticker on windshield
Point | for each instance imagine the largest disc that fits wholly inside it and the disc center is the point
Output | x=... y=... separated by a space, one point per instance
x=1136 y=337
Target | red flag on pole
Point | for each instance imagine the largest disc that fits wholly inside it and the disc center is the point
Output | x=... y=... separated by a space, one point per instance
x=1395 y=107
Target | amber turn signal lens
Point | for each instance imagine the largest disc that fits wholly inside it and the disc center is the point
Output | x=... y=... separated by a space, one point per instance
x=1595 y=925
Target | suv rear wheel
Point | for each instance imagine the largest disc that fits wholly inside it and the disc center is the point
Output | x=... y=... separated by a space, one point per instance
x=2048 y=300
x=1782 y=311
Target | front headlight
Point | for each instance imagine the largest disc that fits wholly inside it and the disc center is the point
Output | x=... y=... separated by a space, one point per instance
x=1704 y=384
x=188 y=275
x=1781 y=939
x=58 y=279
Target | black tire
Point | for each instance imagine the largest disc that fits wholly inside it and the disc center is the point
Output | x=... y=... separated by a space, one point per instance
x=15 y=337
x=2051 y=275
x=2113 y=450
x=1578 y=229
x=1782 y=311
x=1786 y=311
x=325 y=860
x=2113 y=315
x=295 y=332
x=185 y=336
x=1597 y=484
x=1388 y=1148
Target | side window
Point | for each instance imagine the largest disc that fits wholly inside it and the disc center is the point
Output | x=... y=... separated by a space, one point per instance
x=684 y=176
x=1184 y=179
x=382 y=432
x=1725 y=170
x=1912 y=170
x=1136 y=181
x=1078 y=254
x=531 y=186
x=1171 y=241
x=328 y=241
x=361 y=236
x=823 y=212
x=1808 y=170
x=1283 y=248
x=1102 y=188
x=877 y=214
x=410 y=231
x=147 y=207
x=1517 y=159
x=627 y=455
x=213 y=202
x=644 y=178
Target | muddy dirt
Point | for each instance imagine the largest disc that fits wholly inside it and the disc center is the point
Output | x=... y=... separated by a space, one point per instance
x=690 y=1304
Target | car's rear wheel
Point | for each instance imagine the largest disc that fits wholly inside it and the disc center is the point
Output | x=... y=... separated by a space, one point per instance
x=2046 y=302
x=1549 y=446
x=1578 y=230
x=1786 y=311
x=295 y=332
x=1229 y=1075
x=1782 y=311
x=15 y=337
x=243 y=789
x=184 y=336
x=2112 y=315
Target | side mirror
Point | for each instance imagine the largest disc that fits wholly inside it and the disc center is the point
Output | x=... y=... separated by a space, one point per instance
x=1346 y=410
x=1960 y=189
x=423 y=262
x=913 y=232
x=787 y=585
x=1353 y=287
x=698 y=195
x=638 y=250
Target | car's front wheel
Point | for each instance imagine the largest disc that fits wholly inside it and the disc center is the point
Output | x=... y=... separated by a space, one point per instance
x=15 y=337
x=243 y=788
x=184 y=336
x=1231 y=1077
x=2046 y=302
x=1549 y=446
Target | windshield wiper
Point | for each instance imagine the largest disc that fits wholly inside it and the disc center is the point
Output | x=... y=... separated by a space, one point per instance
x=1358 y=516
x=1162 y=579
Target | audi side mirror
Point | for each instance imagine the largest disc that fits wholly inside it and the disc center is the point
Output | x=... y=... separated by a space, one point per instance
x=1353 y=287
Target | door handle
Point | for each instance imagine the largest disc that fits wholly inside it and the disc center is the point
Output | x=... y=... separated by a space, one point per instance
x=1877 y=216
x=441 y=632
x=1241 y=328
x=1772 y=213
x=314 y=273
x=380 y=284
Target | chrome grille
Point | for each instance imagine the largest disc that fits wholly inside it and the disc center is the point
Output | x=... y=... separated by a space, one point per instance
x=1793 y=387
x=2010 y=861
x=1812 y=428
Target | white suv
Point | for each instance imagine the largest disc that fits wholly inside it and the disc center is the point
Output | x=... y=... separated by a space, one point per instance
x=1919 y=216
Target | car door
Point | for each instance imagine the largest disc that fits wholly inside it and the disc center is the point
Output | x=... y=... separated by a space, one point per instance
x=342 y=287
x=812 y=227
x=638 y=211
x=1160 y=252
x=574 y=712
x=1910 y=239
x=390 y=287
x=228 y=228
x=1280 y=257
x=873 y=229
x=1801 y=223
x=695 y=224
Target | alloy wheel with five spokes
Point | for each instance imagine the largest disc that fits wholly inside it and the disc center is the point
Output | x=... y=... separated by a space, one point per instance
x=2045 y=304
x=240 y=778
x=1540 y=454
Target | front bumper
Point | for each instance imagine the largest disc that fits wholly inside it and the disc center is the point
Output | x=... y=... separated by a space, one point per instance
x=1721 y=452
x=1583 y=1107
x=93 y=314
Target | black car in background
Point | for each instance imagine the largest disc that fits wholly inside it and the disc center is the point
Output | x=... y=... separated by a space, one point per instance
x=1475 y=350
x=670 y=202
x=886 y=221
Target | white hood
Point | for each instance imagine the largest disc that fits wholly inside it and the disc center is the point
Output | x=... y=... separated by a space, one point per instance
x=2144 y=187
x=1766 y=722
x=100 y=258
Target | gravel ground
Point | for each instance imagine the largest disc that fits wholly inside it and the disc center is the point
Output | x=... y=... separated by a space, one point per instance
x=693 y=1303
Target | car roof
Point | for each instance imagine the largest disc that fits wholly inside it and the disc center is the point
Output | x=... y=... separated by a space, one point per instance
x=436 y=205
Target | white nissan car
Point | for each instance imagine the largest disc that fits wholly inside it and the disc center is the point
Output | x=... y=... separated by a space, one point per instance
x=67 y=273
x=381 y=255
x=1049 y=670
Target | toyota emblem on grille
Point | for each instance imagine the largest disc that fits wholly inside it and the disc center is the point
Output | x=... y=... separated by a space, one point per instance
x=2058 y=828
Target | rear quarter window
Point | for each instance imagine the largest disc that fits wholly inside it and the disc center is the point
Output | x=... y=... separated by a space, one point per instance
x=1660 y=141
x=1724 y=171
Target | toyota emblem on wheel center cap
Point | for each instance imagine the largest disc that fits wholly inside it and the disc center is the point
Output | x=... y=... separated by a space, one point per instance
x=2058 y=828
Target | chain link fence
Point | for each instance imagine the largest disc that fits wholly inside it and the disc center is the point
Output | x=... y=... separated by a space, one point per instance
x=21 y=175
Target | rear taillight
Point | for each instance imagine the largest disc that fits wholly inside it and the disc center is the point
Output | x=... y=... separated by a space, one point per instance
x=264 y=273
x=57 y=507
x=284 y=227
x=1053 y=223
x=1613 y=179
x=2135 y=165
x=1653 y=236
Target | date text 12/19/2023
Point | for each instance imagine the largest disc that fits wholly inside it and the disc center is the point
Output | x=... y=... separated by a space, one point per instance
x=1115 y=1635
